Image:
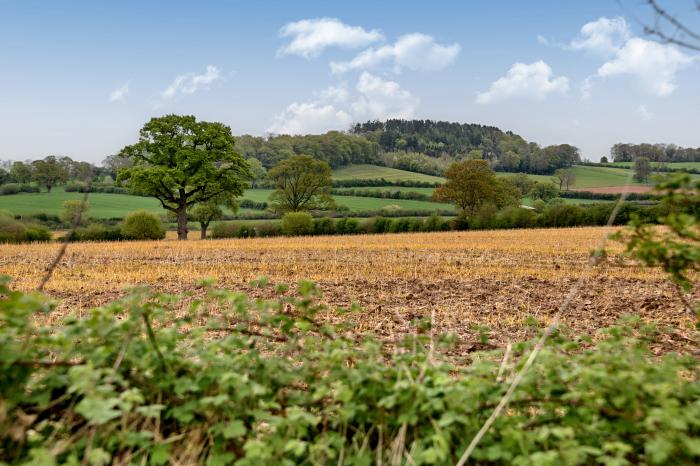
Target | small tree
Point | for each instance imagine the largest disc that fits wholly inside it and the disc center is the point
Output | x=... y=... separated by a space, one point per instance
x=642 y=169
x=603 y=159
x=183 y=162
x=73 y=211
x=469 y=184
x=49 y=172
x=523 y=182
x=142 y=224
x=545 y=191
x=257 y=169
x=566 y=177
x=21 y=172
x=206 y=213
x=302 y=183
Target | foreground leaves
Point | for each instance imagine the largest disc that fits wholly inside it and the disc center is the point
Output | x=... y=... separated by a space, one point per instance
x=246 y=382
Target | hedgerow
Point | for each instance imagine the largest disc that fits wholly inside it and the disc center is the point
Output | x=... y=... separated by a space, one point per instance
x=265 y=382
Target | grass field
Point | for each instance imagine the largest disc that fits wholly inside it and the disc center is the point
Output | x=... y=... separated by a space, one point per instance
x=373 y=172
x=102 y=205
x=500 y=279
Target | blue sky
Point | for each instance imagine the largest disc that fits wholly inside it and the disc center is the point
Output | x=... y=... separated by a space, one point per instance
x=80 y=78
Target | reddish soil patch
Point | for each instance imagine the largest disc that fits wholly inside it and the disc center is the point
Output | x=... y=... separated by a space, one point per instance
x=616 y=189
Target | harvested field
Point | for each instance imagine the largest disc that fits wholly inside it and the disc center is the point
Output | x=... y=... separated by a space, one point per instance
x=617 y=189
x=500 y=279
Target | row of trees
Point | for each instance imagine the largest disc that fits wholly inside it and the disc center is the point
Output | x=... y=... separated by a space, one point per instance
x=654 y=152
x=48 y=172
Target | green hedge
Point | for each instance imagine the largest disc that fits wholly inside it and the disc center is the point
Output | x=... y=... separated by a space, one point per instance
x=138 y=382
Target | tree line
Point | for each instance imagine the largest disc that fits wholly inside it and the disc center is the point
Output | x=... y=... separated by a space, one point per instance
x=623 y=152
x=504 y=150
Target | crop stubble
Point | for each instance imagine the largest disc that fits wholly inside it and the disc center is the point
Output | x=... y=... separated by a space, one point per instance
x=500 y=279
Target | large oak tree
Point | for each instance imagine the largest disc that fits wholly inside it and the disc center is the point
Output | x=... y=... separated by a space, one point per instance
x=183 y=162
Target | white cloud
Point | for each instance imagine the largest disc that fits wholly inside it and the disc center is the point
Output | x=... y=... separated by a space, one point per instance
x=534 y=80
x=190 y=83
x=309 y=37
x=335 y=108
x=654 y=64
x=602 y=37
x=310 y=117
x=335 y=93
x=413 y=51
x=120 y=93
x=644 y=113
x=381 y=99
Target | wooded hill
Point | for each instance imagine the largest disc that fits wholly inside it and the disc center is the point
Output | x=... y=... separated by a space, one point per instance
x=424 y=146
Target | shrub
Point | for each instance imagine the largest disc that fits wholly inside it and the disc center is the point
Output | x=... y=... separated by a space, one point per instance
x=282 y=388
x=96 y=232
x=323 y=226
x=15 y=231
x=72 y=209
x=224 y=230
x=515 y=217
x=141 y=225
x=297 y=223
x=9 y=188
x=380 y=225
x=267 y=229
x=435 y=223
x=347 y=226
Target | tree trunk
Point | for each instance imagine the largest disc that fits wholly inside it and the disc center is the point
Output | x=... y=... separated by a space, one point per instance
x=204 y=229
x=182 y=222
x=48 y=188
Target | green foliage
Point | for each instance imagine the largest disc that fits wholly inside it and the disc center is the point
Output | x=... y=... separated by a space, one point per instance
x=142 y=225
x=73 y=211
x=139 y=382
x=675 y=247
x=96 y=232
x=469 y=184
x=301 y=183
x=642 y=169
x=297 y=223
x=544 y=191
x=205 y=213
x=49 y=172
x=15 y=231
x=183 y=162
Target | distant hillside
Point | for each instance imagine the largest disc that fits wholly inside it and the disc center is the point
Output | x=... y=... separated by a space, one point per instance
x=422 y=146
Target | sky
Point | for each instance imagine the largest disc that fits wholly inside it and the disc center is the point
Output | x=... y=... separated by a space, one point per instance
x=80 y=78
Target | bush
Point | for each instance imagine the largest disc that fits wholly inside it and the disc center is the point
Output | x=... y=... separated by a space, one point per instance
x=15 y=231
x=347 y=226
x=281 y=388
x=379 y=225
x=323 y=226
x=9 y=188
x=141 y=225
x=267 y=229
x=297 y=223
x=96 y=232
x=28 y=188
x=515 y=217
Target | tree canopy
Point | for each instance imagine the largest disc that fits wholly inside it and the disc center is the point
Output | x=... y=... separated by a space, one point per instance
x=183 y=162
x=471 y=183
x=301 y=183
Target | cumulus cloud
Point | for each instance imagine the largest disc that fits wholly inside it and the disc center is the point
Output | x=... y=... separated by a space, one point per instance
x=310 y=37
x=654 y=65
x=602 y=37
x=190 y=83
x=413 y=51
x=534 y=80
x=337 y=107
x=382 y=99
x=309 y=117
x=337 y=93
x=644 y=113
x=120 y=93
